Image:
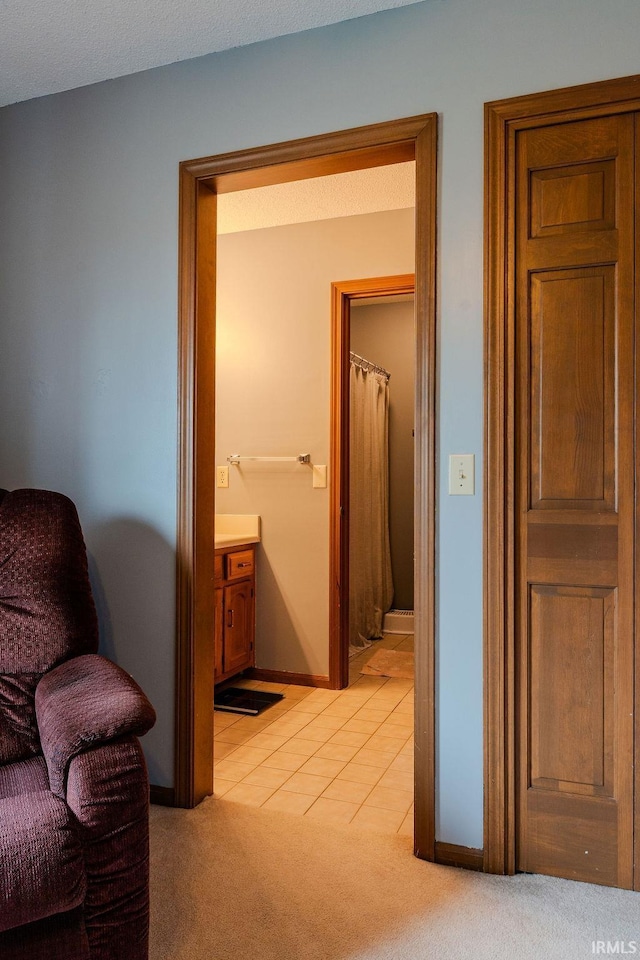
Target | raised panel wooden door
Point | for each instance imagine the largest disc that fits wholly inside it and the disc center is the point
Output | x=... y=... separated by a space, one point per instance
x=574 y=342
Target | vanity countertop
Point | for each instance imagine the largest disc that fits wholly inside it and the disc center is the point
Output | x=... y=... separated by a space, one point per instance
x=225 y=540
x=236 y=530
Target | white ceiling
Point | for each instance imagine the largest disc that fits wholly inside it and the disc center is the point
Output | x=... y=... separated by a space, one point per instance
x=47 y=46
x=323 y=198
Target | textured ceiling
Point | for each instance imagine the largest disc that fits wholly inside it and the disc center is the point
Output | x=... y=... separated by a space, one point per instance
x=340 y=195
x=46 y=46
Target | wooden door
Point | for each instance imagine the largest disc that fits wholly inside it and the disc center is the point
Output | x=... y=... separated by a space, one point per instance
x=238 y=628
x=574 y=518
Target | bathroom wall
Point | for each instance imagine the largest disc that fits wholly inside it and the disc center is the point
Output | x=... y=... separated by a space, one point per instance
x=385 y=334
x=273 y=369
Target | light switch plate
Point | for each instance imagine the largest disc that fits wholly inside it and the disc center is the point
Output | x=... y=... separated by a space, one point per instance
x=462 y=474
x=319 y=475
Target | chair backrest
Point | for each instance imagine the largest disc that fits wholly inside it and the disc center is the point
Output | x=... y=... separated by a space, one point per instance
x=47 y=613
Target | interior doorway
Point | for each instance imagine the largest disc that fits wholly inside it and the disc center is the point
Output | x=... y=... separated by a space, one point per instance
x=201 y=181
x=346 y=295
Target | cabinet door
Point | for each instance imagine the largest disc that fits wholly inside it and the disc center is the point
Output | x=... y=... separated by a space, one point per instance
x=219 y=634
x=238 y=626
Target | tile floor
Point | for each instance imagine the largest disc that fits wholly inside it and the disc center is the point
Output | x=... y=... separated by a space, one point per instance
x=337 y=755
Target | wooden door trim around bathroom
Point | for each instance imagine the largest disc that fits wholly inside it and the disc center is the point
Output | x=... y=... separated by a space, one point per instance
x=342 y=293
x=413 y=138
x=503 y=120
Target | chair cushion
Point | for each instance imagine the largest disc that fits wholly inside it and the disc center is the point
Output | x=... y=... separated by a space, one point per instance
x=18 y=730
x=47 y=612
x=41 y=864
x=27 y=776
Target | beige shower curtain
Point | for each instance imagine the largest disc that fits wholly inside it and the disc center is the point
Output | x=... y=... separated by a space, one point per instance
x=370 y=579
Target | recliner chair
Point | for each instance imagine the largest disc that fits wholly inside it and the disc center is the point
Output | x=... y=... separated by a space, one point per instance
x=74 y=792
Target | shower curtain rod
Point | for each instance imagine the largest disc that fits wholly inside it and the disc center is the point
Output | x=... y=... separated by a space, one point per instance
x=368 y=365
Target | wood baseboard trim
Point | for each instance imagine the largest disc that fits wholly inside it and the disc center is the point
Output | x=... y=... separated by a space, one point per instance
x=162 y=796
x=283 y=676
x=453 y=855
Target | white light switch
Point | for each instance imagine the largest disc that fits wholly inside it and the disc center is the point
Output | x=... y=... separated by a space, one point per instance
x=462 y=474
x=222 y=476
x=319 y=475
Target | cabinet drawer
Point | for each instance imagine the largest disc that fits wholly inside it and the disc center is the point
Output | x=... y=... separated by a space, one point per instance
x=240 y=564
x=218 y=569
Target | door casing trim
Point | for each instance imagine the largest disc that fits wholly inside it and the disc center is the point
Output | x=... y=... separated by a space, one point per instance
x=413 y=138
x=503 y=118
x=342 y=293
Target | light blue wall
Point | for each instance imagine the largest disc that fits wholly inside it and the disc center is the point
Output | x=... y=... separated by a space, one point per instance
x=88 y=215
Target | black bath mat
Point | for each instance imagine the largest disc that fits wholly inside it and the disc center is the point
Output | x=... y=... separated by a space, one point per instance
x=253 y=702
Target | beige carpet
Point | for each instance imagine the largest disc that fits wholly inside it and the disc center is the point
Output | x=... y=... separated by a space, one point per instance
x=390 y=663
x=231 y=882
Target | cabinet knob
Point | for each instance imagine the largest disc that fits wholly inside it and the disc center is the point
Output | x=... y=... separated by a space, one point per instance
x=230 y=618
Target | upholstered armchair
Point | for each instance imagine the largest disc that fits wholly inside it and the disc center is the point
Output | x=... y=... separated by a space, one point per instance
x=74 y=793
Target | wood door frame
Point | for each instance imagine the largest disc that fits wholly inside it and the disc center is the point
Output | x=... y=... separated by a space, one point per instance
x=342 y=293
x=503 y=119
x=413 y=138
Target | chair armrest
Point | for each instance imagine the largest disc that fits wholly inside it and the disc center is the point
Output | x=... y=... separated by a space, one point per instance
x=108 y=795
x=82 y=703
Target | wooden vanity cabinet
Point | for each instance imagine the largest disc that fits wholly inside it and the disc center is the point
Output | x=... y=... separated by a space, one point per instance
x=235 y=611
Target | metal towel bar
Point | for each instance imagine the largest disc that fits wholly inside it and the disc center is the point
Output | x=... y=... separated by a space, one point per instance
x=301 y=458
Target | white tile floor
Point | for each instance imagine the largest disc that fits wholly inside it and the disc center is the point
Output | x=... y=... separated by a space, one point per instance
x=336 y=755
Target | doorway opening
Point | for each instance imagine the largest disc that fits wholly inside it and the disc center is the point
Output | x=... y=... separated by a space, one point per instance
x=201 y=182
x=381 y=503
x=350 y=624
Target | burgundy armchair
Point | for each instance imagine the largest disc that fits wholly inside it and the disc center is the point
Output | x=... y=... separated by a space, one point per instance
x=74 y=792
